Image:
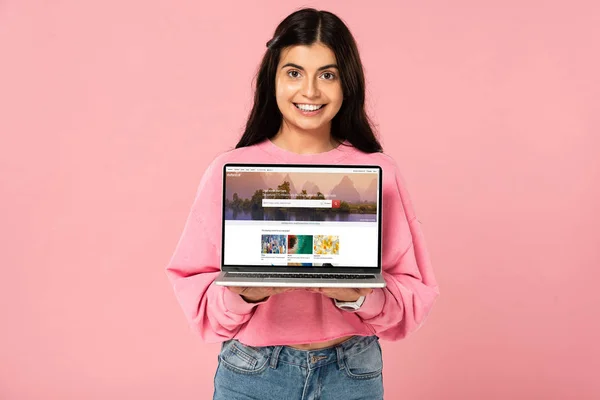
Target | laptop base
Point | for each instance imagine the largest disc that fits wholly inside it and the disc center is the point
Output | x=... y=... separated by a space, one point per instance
x=262 y=279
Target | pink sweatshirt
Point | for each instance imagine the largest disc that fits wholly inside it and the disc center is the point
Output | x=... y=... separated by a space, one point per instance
x=295 y=317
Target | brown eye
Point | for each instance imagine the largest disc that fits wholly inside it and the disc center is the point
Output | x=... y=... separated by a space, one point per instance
x=328 y=76
x=293 y=74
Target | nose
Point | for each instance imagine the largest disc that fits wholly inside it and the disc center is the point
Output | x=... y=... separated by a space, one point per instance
x=310 y=88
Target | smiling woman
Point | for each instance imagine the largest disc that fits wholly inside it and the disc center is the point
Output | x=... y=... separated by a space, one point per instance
x=308 y=95
x=304 y=343
x=313 y=66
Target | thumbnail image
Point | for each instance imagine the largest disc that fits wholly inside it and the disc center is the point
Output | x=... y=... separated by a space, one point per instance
x=300 y=244
x=326 y=244
x=297 y=264
x=274 y=244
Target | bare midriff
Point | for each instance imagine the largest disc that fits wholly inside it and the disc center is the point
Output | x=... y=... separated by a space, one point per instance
x=320 y=345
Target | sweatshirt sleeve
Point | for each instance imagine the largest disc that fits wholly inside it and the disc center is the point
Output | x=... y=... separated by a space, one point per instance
x=213 y=311
x=403 y=305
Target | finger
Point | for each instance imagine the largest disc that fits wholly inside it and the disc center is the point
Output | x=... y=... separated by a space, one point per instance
x=281 y=290
x=332 y=291
x=237 y=289
x=329 y=292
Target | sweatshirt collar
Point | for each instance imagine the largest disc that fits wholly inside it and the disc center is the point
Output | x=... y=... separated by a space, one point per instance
x=333 y=156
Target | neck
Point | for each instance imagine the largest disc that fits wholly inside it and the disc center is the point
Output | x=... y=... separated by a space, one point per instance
x=304 y=142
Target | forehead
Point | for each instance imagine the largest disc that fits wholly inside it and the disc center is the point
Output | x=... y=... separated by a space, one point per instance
x=308 y=57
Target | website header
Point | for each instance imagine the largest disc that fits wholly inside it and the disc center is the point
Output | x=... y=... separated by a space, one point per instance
x=284 y=169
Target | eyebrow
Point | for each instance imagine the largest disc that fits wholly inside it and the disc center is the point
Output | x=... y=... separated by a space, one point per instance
x=302 y=69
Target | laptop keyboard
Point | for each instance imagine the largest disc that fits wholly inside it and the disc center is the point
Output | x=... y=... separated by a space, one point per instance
x=295 y=276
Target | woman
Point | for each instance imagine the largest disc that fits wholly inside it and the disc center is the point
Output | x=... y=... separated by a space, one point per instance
x=298 y=344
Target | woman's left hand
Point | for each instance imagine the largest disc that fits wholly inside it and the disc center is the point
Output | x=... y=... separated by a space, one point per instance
x=342 y=294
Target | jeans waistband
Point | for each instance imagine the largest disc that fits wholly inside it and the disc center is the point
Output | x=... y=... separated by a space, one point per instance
x=312 y=359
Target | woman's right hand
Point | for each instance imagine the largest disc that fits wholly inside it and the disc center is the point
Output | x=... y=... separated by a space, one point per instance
x=258 y=294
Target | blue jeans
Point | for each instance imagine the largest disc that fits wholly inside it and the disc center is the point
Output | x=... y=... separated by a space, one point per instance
x=351 y=370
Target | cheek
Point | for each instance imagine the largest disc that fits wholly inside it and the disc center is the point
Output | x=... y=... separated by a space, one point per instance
x=336 y=99
x=285 y=90
x=282 y=99
x=336 y=95
x=278 y=91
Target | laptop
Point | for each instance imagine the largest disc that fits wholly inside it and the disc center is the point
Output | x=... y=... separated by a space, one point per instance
x=301 y=225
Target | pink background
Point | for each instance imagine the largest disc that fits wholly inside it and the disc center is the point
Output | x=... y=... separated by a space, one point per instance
x=110 y=111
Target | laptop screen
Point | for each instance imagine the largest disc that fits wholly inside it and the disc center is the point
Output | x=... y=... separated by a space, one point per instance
x=301 y=216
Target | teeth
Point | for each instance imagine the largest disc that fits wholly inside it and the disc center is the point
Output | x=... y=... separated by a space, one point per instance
x=308 y=107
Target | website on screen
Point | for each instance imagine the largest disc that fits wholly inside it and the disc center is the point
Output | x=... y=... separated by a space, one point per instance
x=291 y=216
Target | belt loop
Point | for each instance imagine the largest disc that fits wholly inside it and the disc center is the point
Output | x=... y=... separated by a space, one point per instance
x=275 y=356
x=340 y=356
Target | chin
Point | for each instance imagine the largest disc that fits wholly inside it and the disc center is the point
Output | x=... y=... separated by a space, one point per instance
x=312 y=125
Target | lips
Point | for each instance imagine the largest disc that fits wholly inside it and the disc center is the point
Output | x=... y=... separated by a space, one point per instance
x=309 y=107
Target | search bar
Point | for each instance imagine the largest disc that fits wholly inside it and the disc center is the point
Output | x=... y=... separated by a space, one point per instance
x=301 y=203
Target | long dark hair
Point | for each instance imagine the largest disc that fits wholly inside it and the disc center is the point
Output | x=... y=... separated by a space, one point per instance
x=305 y=27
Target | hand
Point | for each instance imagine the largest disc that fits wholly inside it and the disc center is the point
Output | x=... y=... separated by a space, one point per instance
x=257 y=294
x=342 y=294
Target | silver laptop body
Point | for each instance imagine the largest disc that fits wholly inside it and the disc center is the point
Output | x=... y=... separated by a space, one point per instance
x=301 y=225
